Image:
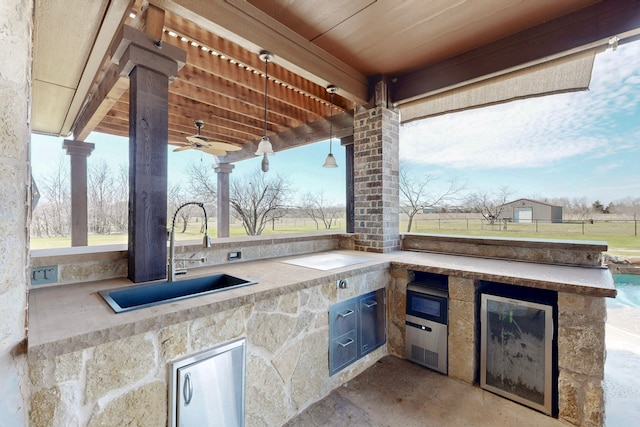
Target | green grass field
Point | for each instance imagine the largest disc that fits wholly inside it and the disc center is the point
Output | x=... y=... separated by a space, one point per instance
x=619 y=235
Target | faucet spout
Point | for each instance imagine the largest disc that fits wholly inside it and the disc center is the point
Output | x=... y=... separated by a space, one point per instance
x=206 y=241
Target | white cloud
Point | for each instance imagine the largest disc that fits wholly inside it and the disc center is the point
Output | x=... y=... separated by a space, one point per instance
x=539 y=131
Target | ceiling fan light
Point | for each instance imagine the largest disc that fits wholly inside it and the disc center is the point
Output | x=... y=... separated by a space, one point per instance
x=330 y=162
x=264 y=147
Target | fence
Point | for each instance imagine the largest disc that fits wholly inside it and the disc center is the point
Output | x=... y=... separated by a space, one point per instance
x=616 y=227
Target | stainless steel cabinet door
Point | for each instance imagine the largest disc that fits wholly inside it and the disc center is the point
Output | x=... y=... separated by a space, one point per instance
x=372 y=328
x=210 y=391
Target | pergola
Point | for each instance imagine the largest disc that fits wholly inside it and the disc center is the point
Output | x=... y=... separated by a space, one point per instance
x=149 y=69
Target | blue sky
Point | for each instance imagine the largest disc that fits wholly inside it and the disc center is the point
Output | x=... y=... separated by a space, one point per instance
x=584 y=144
x=581 y=144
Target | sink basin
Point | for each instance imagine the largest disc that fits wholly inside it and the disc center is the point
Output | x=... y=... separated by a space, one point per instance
x=147 y=295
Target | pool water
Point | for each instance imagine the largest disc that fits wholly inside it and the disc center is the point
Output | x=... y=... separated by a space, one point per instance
x=628 y=287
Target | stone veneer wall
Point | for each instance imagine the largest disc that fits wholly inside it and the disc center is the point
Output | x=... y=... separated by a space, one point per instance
x=557 y=252
x=125 y=382
x=581 y=343
x=86 y=264
x=376 y=180
x=15 y=98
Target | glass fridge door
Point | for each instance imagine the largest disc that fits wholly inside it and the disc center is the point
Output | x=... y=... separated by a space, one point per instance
x=516 y=340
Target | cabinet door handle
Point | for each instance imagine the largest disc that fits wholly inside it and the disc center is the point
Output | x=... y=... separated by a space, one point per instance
x=371 y=304
x=348 y=313
x=343 y=345
x=187 y=389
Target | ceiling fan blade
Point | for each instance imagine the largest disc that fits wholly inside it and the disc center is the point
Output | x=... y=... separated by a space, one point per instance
x=184 y=147
x=197 y=139
x=219 y=145
x=213 y=151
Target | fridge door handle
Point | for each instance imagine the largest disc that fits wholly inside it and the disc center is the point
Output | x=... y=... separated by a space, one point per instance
x=187 y=389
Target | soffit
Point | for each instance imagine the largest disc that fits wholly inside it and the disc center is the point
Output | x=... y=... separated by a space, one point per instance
x=395 y=36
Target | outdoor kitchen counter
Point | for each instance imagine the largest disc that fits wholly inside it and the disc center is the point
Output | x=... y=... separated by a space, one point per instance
x=67 y=318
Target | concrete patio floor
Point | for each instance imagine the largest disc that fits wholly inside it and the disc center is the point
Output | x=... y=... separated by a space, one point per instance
x=395 y=392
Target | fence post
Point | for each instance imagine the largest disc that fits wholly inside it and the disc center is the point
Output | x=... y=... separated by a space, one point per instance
x=582 y=227
x=467 y=223
x=635 y=226
x=536 y=225
x=438 y=223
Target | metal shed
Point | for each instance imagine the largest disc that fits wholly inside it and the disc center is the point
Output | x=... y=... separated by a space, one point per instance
x=526 y=210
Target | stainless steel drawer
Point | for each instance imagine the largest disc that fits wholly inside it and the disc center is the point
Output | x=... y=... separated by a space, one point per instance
x=342 y=318
x=342 y=351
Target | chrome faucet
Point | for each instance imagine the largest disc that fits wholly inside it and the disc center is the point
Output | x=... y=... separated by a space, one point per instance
x=206 y=243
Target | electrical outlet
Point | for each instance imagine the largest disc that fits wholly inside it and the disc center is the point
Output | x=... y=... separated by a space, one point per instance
x=44 y=275
x=235 y=255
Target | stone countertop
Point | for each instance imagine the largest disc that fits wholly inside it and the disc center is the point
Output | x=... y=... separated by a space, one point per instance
x=73 y=317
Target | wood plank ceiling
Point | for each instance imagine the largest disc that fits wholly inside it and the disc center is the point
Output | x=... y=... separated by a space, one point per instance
x=223 y=85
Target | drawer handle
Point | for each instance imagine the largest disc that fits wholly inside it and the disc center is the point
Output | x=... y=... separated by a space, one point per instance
x=371 y=304
x=349 y=342
x=348 y=313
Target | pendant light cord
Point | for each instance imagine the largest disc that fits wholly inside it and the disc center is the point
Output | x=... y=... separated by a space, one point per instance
x=266 y=80
x=331 y=124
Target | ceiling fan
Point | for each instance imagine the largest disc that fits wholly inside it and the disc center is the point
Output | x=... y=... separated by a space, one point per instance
x=202 y=143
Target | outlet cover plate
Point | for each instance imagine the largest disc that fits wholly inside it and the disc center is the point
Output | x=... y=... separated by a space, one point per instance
x=44 y=275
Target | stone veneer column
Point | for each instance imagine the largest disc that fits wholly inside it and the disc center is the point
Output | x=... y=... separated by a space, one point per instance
x=462 y=329
x=376 y=190
x=581 y=357
x=15 y=98
x=223 y=170
x=78 y=151
x=397 y=310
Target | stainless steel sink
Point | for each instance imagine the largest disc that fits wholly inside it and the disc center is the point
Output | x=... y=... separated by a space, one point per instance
x=155 y=293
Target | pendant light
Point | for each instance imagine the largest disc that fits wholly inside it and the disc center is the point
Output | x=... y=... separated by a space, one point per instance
x=264 y=147
x=330 y=161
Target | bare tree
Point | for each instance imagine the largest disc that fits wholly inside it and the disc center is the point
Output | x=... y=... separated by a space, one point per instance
x=417 y=192
x=120 y=215
x=490 y=205
x=176 y=197
x=255 y=200
x=53 y=215
x=101 y=197
x=319 y=210
x=202 y=182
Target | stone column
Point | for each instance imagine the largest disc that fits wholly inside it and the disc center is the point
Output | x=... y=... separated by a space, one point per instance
x=78 y=151
x=581 y=357
x=376 y=182
x=223 y=170
x=463 y=335
x=16 y=20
